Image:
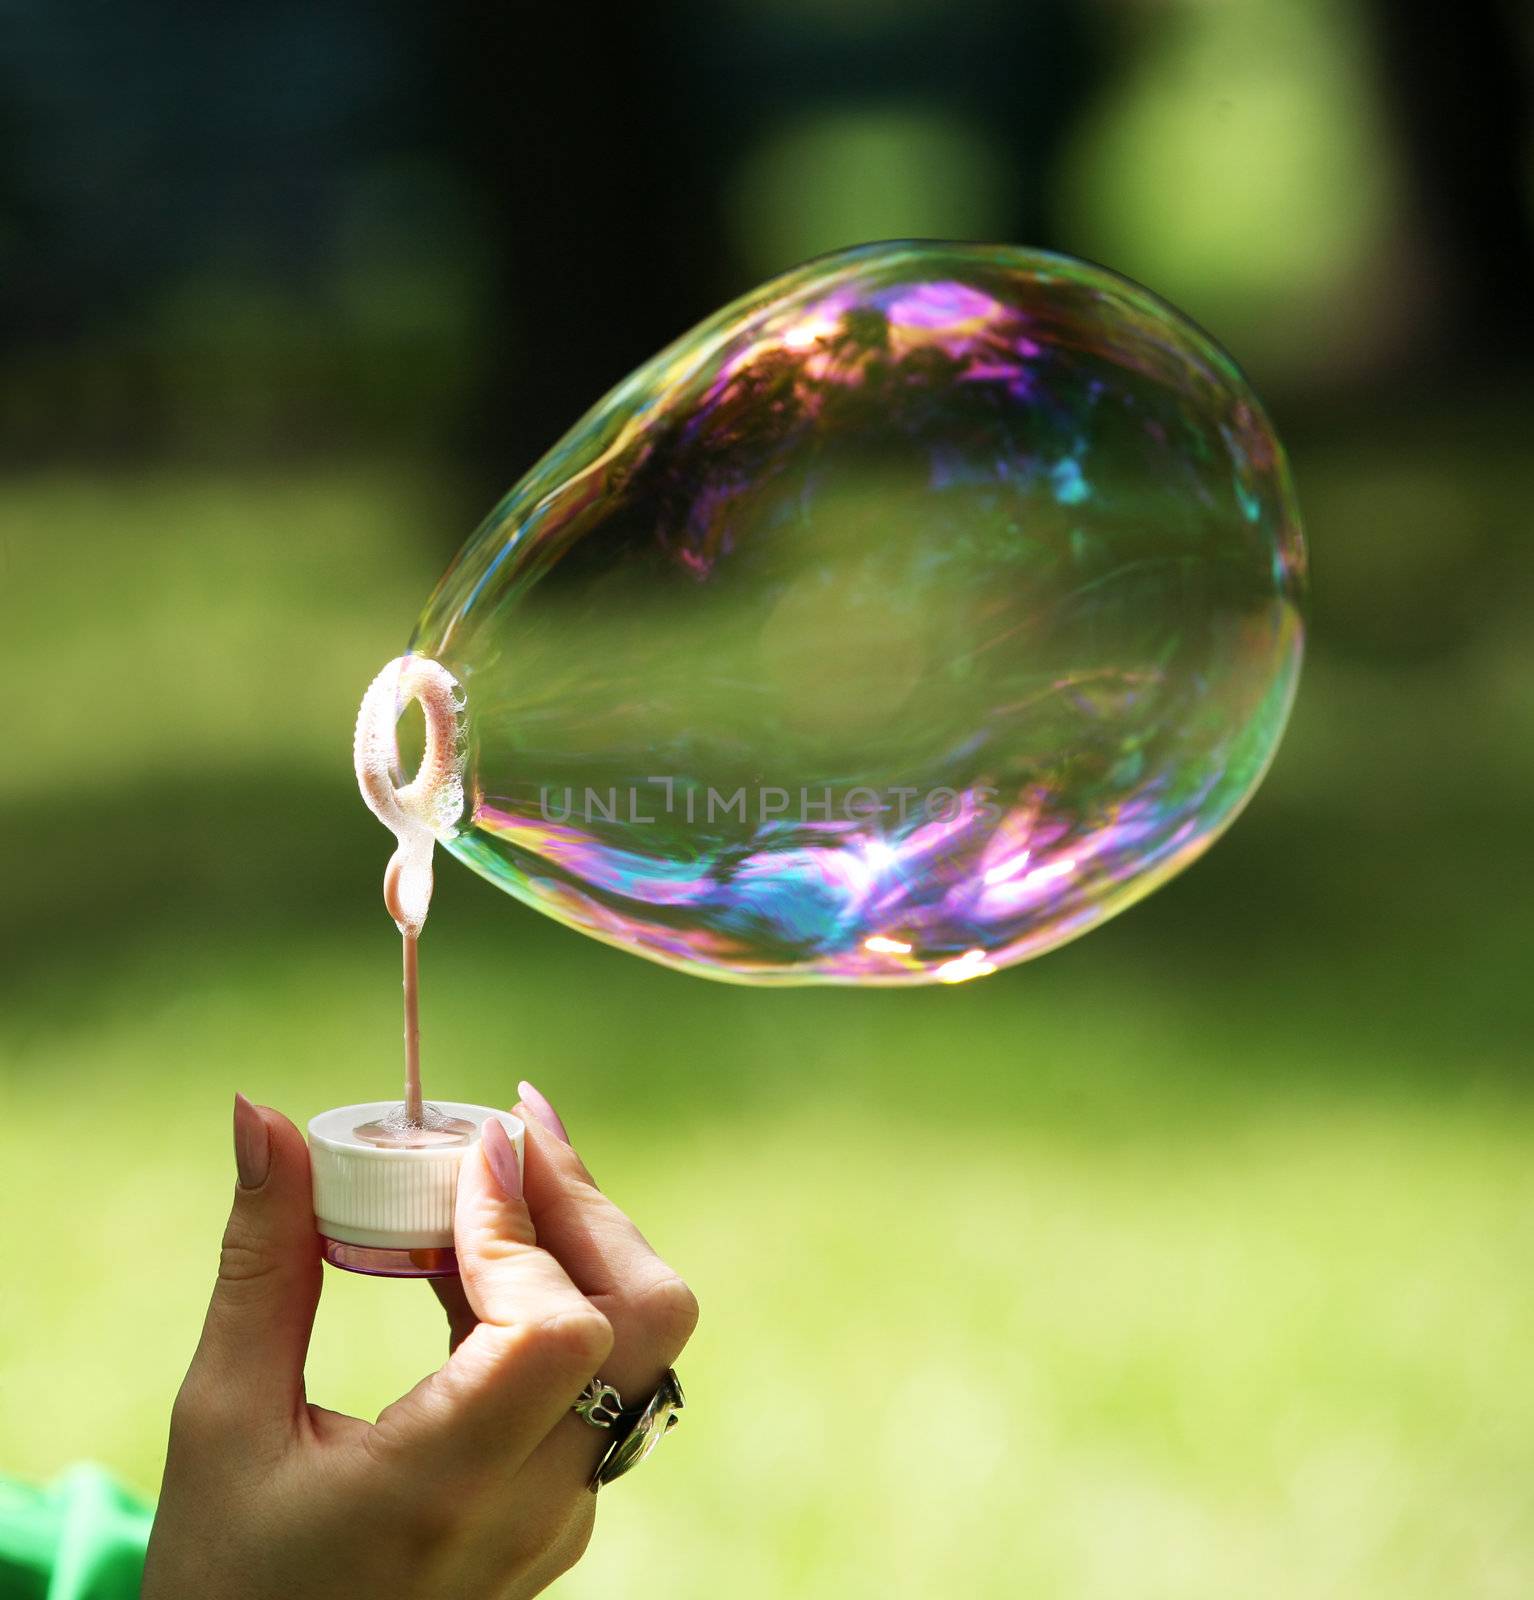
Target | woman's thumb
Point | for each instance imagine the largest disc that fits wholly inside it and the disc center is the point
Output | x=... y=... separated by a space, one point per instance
x=256 y=1335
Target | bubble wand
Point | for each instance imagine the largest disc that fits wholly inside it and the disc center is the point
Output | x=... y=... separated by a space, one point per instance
x=430 y=802
x=386 y=1172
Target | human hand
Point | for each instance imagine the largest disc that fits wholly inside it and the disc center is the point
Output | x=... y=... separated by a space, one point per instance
x=471 y=1485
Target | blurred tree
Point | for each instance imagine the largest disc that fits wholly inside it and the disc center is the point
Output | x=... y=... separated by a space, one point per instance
x=611 y=163
x=1460 y=80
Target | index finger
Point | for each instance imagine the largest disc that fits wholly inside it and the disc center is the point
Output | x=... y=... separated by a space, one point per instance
x=651 y=1311
x=538 y=1341
x=596 y=1242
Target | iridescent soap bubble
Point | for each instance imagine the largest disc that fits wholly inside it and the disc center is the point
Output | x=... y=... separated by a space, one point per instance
x=905 y=619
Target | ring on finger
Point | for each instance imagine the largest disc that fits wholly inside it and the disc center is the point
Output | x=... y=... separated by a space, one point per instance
x=635 y=1431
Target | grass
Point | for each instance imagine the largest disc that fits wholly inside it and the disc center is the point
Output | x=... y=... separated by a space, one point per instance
x=1192 y=1261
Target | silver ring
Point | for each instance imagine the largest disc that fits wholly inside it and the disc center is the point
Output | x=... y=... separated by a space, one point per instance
x=636 y=1432
x=600 y=1404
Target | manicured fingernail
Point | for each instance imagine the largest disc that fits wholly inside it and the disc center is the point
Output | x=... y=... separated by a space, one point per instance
x=540 y=1108
x=501 y=1154
x=252 y=1144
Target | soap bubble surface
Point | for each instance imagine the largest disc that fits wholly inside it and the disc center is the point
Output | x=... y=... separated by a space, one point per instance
x=907 y=618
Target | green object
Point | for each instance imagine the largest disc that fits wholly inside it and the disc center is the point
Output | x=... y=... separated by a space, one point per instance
x=82 y=1537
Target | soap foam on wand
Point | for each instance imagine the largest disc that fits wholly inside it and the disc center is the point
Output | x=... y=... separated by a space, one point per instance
x=430 y=803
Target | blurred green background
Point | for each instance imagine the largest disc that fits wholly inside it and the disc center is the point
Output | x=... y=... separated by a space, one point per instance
x=1194 y=1260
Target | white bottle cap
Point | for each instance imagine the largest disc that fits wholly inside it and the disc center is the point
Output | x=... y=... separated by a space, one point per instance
x=390 y=1199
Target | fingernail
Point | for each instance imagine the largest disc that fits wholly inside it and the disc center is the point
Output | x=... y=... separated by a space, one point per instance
x=252 y=1144
x=501 y=1154
x=533 y=1099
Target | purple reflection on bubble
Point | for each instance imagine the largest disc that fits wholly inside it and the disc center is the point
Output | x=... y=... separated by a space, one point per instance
x=941 y=305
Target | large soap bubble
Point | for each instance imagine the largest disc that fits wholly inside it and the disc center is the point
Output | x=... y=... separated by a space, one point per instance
x=905 y=619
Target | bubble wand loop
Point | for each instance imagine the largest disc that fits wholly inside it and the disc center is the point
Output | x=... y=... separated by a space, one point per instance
x=416 y=814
